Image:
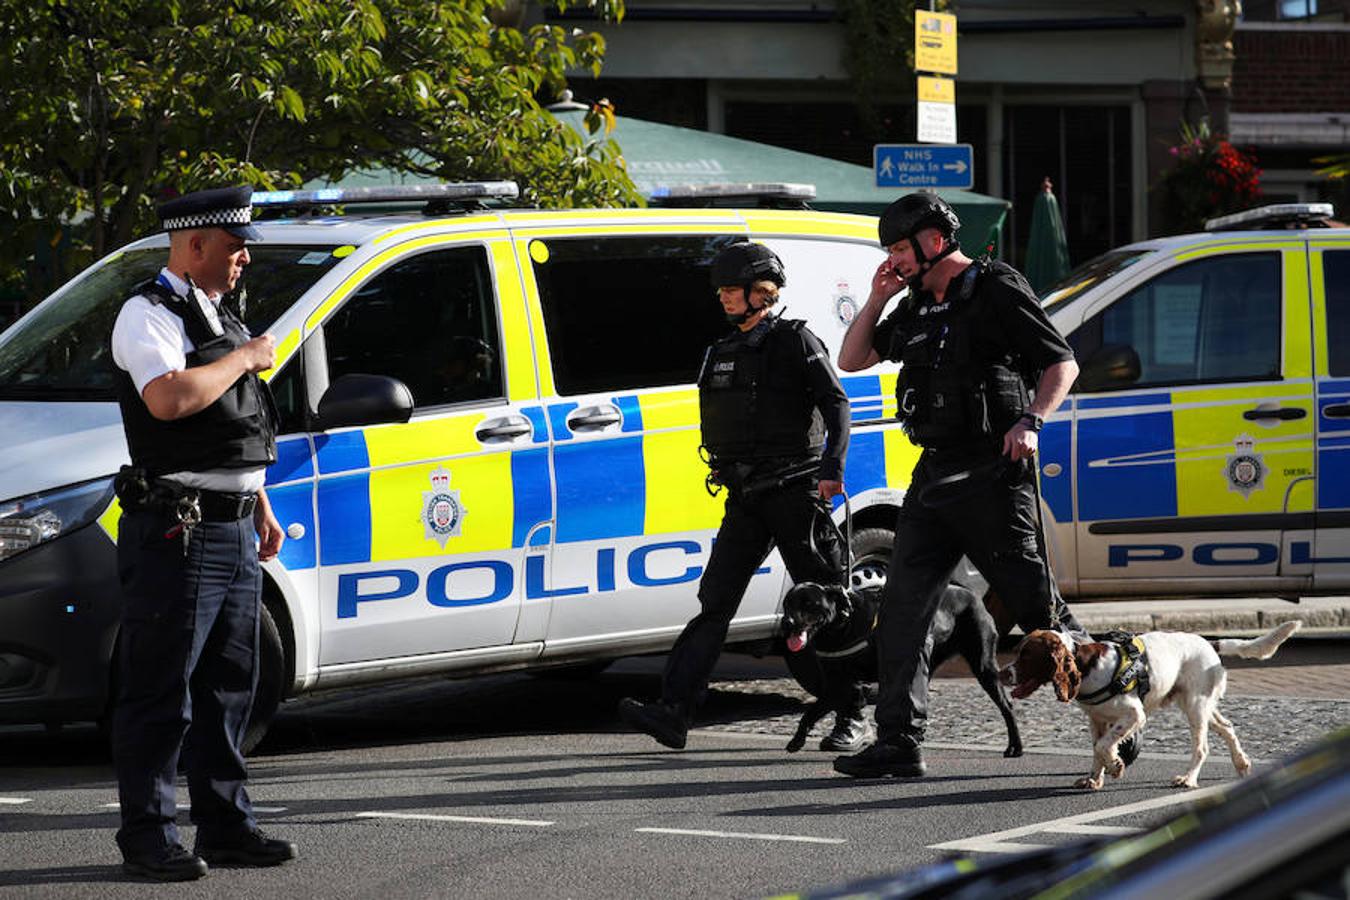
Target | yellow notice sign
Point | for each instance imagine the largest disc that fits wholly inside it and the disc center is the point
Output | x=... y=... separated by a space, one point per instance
x=936 y=90
x=934 y=42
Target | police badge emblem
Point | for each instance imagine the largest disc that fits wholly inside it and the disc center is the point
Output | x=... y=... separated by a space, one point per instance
x=1245 y=468
x=441 y=510
x=845 y=307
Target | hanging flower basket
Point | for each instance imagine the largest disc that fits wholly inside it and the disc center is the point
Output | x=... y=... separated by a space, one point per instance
x=1210 y=177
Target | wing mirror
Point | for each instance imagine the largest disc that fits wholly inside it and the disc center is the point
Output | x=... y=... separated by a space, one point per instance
x=359 y=399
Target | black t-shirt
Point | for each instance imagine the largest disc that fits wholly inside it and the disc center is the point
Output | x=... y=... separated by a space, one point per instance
x=1015 y=331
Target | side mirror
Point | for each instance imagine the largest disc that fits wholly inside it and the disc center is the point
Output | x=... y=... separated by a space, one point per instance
x=359 y=399
x=1112 y=366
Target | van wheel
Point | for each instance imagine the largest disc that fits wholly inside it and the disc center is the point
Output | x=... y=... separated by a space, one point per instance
x=271 y=669
x=871 y=559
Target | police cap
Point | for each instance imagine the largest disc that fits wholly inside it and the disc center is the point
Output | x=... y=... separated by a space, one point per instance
x=747 y=262
x=914 y=212
x=229 y=208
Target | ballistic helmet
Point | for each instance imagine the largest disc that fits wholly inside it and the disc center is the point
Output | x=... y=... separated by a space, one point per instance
x=914 y=212
x=744 y=264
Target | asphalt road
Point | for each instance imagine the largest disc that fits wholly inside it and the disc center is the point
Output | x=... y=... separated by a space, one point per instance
x=514 y=786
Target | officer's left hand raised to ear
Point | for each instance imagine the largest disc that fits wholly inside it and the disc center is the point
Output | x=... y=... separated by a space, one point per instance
x=830 y=489
x=1020 y=442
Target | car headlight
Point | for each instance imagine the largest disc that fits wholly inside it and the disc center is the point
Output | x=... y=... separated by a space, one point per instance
x=28 y=521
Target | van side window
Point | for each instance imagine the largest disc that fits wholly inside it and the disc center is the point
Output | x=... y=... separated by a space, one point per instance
x=1336 y=276
x=624 y=313
x=430 y=321
x=1212 y=320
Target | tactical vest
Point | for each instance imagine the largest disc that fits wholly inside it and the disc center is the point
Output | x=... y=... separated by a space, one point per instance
x=750 y=409
x=946 y=397
x=237 y=431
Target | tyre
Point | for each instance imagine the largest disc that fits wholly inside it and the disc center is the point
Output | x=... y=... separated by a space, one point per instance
x=871 y=559
x=271 y=676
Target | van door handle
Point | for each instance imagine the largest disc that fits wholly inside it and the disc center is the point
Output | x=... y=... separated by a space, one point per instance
x=504 y=428
x=1337 y=411
x=593 y=418
x=1286 y=413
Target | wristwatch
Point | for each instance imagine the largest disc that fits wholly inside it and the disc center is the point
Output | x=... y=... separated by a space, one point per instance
x=1034 y=422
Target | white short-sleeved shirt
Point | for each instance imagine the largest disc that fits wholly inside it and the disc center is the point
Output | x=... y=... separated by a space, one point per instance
x=149 y=341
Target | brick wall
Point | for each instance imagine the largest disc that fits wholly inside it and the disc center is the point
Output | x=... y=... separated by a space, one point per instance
x=1291 y=71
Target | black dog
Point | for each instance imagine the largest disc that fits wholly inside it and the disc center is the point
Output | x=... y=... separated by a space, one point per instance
x=840 y=624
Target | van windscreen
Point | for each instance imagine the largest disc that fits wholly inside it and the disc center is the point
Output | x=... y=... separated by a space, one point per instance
x=62 y=351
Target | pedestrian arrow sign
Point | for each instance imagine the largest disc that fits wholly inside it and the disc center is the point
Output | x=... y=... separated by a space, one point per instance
x=924 y=165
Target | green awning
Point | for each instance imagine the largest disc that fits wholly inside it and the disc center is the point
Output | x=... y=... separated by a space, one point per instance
x=659 y=154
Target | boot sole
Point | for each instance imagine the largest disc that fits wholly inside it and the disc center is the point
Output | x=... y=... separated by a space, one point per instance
x=243 y=860
x=915 y=770
x=668 y=739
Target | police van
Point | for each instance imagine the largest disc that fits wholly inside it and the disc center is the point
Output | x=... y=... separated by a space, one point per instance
x=1206 y=446
x=488 y=455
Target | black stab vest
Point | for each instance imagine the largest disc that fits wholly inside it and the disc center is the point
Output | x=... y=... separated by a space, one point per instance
x=946 y=397
x=237 y=431
x=750 y=409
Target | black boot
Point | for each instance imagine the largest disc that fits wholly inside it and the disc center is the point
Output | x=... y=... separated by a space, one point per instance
x=171 y=863
x=849 y=735
x=901 y=759
x=660 y=720
x=253 y=849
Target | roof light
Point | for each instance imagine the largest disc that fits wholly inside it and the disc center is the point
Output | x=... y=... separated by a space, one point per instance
x=1277 y=215
x=754 y=190
x=460 y=192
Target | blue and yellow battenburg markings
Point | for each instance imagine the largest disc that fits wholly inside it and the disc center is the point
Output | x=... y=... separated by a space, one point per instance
x=645 y=480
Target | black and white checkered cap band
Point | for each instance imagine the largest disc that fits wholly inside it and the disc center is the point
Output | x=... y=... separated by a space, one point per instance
x=242 y=215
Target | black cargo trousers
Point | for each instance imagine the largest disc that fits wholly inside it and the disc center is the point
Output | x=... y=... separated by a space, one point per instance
x=993 y=521
x=751 y=527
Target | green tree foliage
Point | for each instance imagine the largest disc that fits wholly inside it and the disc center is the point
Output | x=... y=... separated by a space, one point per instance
x=111 y=105
x=879 y=53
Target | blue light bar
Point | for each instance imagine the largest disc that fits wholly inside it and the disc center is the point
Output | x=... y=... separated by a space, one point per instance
x=459 y=191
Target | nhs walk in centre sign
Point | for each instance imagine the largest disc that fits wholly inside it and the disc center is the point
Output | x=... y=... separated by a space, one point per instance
x=924 y=165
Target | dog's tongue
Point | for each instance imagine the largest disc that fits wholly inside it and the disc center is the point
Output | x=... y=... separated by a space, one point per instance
x=797 y=641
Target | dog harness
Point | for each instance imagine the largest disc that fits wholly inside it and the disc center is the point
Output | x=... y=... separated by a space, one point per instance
x=852 y=639
x=1131 y=674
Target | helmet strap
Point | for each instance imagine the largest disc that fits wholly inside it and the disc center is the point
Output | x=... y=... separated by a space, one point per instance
x=915 y=281
x=740 y=318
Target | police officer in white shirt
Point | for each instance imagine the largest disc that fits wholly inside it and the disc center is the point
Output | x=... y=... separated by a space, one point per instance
x=200 y=426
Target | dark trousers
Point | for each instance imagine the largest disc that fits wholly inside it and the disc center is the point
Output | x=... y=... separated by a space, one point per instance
x=993 y=521
x=188 y=667
x=750 y=529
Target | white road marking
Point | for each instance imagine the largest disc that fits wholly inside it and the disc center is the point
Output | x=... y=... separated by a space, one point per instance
x=15 y=801
x=473 y=820
x=1001 y=841
x=798 y=838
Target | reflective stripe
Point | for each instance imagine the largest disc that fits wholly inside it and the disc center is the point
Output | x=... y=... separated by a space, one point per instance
x=284 y=348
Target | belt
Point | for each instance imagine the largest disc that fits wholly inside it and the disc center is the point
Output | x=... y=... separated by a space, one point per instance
x=218 y=506
x=215 y=506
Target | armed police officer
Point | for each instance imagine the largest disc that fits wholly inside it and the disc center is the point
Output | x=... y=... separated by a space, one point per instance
x=200 y=427
x=775 y=424
x=972 y=340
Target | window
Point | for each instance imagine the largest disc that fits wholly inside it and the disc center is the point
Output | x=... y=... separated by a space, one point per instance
x=1336 y=277
x=1297 y=9
x=430 y=321
x=63 y=351
x=1213 y=320
x=628 y=313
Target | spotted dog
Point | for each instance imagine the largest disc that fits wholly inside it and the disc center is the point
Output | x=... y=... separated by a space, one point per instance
x=1118 y=684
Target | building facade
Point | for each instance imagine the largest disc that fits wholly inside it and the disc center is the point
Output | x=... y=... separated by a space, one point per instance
x=1090 y=95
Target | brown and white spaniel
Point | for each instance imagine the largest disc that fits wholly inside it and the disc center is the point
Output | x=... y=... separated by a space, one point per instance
x=1180 y=669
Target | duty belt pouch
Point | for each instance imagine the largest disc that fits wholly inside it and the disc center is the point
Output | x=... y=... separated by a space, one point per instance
x=131 y=484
